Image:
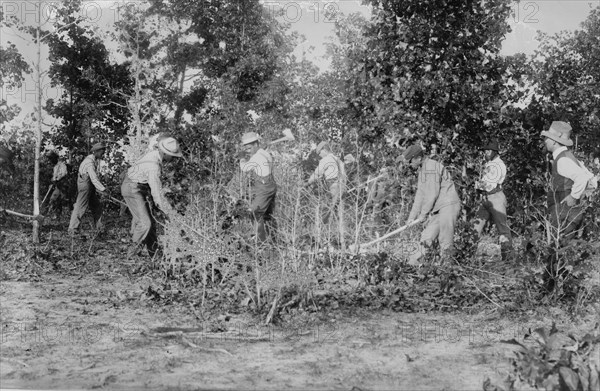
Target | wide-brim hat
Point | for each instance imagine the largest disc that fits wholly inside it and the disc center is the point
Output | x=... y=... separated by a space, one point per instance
x=250 y=137
x=412 y=152
x=560 y=132
x=322 y=145
x=492 y=145
x=170 y=146
x=97 y=147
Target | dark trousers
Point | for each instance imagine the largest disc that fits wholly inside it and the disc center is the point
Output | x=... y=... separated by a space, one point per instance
x=58 y=198
x=262 y=208
x=565 y=221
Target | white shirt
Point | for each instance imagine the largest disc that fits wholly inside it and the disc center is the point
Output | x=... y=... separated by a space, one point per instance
x=147 y=170
x=87 y=169
x=575 y=172
x=494 y=174
x=261 y=163
x=329 y=167
x=59 y=171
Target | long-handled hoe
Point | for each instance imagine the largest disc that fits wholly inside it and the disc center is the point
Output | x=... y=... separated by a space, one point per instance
x=355 y=249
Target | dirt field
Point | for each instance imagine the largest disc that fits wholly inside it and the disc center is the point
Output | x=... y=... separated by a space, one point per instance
x=94 y=325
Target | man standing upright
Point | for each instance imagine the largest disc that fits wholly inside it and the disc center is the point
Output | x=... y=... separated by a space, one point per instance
x=494 y=202
x=332 y=169
x=569 y=182
x=436 y=201
x=6 y=160
x=58 y=182
x=88 y=185
x=264 y=189
x=143 y=179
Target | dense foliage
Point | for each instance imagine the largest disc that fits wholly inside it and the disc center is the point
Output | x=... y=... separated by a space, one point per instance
x=417 y=70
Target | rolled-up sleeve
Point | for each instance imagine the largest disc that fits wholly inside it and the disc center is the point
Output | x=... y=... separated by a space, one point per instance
x=580 y=177
x=94 y=178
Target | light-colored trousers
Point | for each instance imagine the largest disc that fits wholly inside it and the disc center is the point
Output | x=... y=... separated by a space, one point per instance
x=86 y=198
x=440 y=226
x=494 y=208
x=143 y=229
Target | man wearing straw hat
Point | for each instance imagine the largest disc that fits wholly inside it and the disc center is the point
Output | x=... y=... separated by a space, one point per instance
x=143 y=179
x=436 y=202
x=264 y=189
x=569 y=182
x=494 y=203
x=332 y=169
x=6 y=159
x=88 y=185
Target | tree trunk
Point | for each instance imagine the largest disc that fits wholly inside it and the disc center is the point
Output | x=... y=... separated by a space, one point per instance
x=38 y=135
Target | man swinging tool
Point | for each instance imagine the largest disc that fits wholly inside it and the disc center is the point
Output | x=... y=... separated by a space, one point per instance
x=88 y=188
x=6 y=160
x=436 y=203
x=58 y=183
x=142 y=179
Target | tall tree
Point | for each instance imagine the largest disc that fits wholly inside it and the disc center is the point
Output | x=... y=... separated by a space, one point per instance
x=12 y=68
x=433 y=72
x=566 y=71
x=90 y=106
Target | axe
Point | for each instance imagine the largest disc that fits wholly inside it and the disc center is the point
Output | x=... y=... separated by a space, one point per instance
x=287 y=136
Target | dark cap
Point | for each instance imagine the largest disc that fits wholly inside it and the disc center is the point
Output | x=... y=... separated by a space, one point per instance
x=491 y=145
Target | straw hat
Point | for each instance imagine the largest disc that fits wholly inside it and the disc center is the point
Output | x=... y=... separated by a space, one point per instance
x=560 y=132
x=250 y=137
x=169 y=146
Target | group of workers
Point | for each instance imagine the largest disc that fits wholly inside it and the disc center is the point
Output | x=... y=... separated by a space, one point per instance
x=436 y=204
x=140 y=180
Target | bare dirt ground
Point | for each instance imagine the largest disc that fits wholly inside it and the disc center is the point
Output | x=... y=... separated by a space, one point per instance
x=94 y=325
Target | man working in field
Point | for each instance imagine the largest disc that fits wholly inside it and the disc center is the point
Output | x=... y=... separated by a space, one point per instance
x=6 y=159
x=570 y=180
x=59 y=184
x=258 y=163
x=88 y=188
x=436 y=203
x=494 y=203
x=332 y=169
x=141 y=180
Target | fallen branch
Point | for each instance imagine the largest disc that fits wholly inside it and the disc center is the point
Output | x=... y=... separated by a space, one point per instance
x=210 y=350
x=31 y=217
x=273 y=308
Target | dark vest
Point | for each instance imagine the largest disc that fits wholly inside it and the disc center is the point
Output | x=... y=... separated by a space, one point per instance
x=560 y=186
